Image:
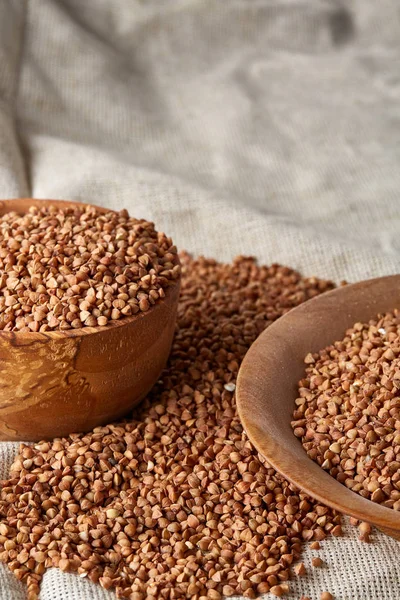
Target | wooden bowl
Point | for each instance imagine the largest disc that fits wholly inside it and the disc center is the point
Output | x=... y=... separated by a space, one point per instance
x=55 y=383
x=267 y=389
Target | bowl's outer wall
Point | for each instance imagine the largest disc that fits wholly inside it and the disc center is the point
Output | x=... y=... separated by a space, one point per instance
x=267 y=387
x=64 y=382
x=53 y=387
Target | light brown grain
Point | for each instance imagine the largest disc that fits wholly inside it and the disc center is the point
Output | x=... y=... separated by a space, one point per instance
x=173 y=503
x=72 y=267
x=348 y=410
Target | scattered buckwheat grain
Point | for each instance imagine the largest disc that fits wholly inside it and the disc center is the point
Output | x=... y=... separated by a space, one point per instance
x=66 y=268
x=348 y=411
x=365 y=531
x=174 y=503
x=300 y=569
x=315 y=546
x=317 y=562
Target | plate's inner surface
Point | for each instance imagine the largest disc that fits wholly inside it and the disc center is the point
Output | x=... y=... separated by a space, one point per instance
x=268 y=378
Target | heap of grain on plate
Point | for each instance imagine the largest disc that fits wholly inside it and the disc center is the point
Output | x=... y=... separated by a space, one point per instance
x=348 y=411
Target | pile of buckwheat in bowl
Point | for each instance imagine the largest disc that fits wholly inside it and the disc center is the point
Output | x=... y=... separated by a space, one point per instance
x=348 y=411
x=173 y=502
x=70 y=267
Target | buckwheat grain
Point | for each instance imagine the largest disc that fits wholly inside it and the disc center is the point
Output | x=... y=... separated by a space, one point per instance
x=67 y=268
x=173 y=503
x=348 y=411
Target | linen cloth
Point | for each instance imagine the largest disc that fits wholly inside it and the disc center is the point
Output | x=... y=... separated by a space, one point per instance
x=266 y=127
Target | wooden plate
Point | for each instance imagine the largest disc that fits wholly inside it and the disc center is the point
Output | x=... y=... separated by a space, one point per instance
x=267 y=389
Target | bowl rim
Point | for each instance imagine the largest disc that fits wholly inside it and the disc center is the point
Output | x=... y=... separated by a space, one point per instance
x=360 y=508
x=6 y=206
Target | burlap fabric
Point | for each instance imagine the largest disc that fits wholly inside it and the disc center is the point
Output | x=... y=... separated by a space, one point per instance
x=266 y=127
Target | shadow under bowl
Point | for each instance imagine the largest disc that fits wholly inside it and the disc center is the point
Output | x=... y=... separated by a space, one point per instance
x=267 y=389
x=59 y=382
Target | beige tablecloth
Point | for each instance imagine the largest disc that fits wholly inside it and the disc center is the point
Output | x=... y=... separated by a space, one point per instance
x=267 y=127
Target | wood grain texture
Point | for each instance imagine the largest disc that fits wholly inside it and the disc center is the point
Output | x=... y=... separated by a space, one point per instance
x=59 y=382
x=267 y=388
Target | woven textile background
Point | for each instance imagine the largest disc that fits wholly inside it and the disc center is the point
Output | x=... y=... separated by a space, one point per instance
x=266 y=127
